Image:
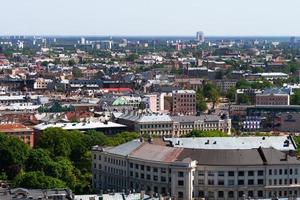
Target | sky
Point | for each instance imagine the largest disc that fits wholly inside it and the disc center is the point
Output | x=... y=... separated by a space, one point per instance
x=150 y=17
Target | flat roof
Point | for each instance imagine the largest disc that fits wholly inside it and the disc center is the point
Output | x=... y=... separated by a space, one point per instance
x=80 y=126
x=276 y=142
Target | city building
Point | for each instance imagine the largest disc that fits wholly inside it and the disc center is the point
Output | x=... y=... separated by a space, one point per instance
x=273 y=97
x=184 y=102
x=20 y=131
x=196 y=173
x=185 y=124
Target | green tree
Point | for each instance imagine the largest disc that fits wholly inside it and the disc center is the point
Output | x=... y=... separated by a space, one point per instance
x=243 y=84
x=198 y=133
x=230 y=94
x=55 y=141
x=13 y=154
x=38 y=180
x=211 y=92
x=38 y=160
x=295 y=99
x=76 y=72
x=244 y=99
x=200 y=101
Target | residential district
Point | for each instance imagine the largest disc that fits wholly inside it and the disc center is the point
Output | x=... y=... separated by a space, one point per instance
x=176 y=118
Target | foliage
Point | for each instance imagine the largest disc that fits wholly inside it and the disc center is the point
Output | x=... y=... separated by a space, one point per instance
x=211 y=92
x=200 y=101
x=198 y=133
x=61 y=159
x=77 y=73
x=244 y=99
x=231 y=94
x=38 y=180
x=13 y=154
x=295 y=99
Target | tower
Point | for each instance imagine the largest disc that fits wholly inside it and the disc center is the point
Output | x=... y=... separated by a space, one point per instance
x=200 y=36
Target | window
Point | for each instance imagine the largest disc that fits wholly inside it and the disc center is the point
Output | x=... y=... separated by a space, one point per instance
x=148 y=177
x=142 y=167
x=220 y=194
x=211 y=182
x=280 y=171
x=275 y=171
x=250 y=193
x=155 y=178
x=260 y=172
x=275 y=181
x=211 y=173
x=250 y=182
x=270 y=171
x=260 y=193
x=180 y=174
x=136 y=166
x=142 y=176
x=163 y=170
x=148 y=168
x=221 y=173
x=136 y=175
x=230 y=194
x=291 y=171
x=131 y=165
x=155 y=169
x=201 y=193
x=220 y=182
x=241 y=182
x=94 y=156
x=260 y=181
x=131 y=173
x=201 y=173
x=181 y=183
x=250 y=173
x=285 y=171
x=163 y=179
x=180 y=194
x=241 y=173
x=200 y=182
x=241 y=193
x=231 y=173
x=230 y=182
x=296 y=171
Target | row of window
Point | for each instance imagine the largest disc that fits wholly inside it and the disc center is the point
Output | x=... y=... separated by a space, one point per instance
x=282 y=181
x=231 y=173
x=148 y=168
x=149 y=177
x=230 y=182
x=147 y=126
x=291 y=171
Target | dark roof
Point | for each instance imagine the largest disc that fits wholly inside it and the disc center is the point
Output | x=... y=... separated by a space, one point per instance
x=260 y=156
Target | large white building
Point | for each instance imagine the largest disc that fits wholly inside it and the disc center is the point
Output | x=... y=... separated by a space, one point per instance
x=197 y=173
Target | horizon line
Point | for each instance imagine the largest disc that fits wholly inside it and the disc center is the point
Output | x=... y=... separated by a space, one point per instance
x=92 y=35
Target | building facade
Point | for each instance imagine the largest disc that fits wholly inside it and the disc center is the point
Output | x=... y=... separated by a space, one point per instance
x=184 y=102
x=186 y=173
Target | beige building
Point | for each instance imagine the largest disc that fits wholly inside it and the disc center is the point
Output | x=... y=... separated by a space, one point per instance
x=184 y=102
x=193 y=173
x=175 y=126
x=272 y=99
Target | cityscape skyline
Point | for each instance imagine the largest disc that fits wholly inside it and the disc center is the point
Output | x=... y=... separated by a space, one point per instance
x=134 y=18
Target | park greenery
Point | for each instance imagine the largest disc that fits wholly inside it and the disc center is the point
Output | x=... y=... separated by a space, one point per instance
x=198 y=133
x=60 y=159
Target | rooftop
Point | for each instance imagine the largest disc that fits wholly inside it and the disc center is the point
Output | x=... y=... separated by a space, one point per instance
x=80 y=126
x=282 y=143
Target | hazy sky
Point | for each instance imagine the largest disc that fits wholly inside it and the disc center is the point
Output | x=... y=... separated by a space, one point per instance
x=150 y=17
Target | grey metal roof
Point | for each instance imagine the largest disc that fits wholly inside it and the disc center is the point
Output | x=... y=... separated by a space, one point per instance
x=124 y=149
x=276 y=142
